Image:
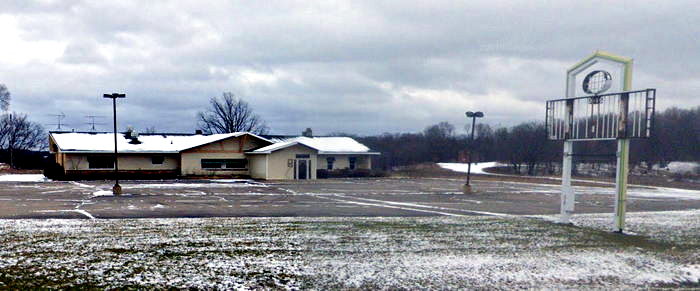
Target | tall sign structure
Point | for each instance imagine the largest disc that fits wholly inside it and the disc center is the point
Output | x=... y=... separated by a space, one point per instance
x=598 y=115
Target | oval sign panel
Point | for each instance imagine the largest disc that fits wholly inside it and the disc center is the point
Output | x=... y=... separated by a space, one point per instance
x=597 y=82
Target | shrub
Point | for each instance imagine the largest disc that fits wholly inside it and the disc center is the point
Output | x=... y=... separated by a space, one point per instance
x=347 y=173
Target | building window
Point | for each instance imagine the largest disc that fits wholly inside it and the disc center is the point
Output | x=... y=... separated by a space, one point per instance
x=303 y=156
x=353 y=161
x=157 y=160
x=100 y=162
x=330 y=161
x=224 y=164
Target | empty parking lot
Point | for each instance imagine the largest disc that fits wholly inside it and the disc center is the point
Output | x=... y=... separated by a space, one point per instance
x=322 y=198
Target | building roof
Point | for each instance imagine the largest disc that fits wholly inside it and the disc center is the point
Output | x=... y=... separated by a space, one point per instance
x=84 y=142
x=324 y=145
x=275 y=138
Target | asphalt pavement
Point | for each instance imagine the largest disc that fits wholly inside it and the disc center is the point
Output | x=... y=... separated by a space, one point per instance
x=385 y=197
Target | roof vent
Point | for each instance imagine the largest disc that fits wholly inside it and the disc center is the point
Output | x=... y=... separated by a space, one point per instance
x=198 y=131
x=133 y=135
x=135 y=140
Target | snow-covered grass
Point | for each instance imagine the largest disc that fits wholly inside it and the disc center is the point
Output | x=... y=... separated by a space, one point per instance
x=23 y=178
x=683 y=167
x=342 y=253
x=477 y=168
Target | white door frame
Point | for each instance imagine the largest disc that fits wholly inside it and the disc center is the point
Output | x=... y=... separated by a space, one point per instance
x=308 y=168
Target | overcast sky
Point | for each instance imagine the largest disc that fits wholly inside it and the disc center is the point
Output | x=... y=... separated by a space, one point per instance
x=362 y=67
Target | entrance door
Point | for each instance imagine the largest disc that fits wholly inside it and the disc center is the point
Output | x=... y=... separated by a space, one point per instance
x=302 y=169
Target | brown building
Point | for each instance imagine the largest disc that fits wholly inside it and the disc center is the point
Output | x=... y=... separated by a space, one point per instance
x=87 y=155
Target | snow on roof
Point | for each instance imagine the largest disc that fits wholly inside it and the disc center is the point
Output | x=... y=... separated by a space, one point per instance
x=150 y=143
x=280 y=138
x=324 y=145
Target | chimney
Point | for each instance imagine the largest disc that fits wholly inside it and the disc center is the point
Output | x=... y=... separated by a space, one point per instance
x=307 y=132
x=128 y=132
x=198 y=131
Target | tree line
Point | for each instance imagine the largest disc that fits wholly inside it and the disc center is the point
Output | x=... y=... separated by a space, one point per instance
x=525 y=147
x=21 y=139
x=18 y=135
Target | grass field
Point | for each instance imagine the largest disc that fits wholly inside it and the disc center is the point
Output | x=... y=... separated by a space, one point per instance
x=385 y=233
x=339 y=253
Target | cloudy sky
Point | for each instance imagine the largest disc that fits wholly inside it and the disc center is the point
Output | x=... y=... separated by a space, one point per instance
x=363 y=67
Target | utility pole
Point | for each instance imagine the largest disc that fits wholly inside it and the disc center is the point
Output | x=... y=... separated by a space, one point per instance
x=473 y=116
x=117 y=190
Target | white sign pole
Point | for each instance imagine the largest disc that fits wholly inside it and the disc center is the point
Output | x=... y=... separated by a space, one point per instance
x=623 y=149
x=568 y=197
x=623 y=152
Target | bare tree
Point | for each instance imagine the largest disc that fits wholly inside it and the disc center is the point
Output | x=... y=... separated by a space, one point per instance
x=150 y=130
x=4 y=98
x=441 y=145
x=230 y=114
x=18 y=133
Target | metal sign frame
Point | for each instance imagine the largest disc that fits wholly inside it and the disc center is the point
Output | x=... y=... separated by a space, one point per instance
x=568 y=196
x=602 y=117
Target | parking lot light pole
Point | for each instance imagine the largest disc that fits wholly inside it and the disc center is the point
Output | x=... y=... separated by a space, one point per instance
x=116 y=190
x=473 y=116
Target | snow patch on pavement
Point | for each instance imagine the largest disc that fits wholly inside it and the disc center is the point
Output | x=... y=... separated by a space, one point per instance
x=477 y=168
x=683 y=167
x=99 y=193
x=23 y=178
x=191 y=185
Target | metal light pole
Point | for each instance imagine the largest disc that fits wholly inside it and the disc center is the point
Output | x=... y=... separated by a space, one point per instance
x=117 y=190
x=473 y=116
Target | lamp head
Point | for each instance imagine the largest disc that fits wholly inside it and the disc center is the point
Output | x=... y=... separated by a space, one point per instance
x=477 y=114
x=114 y=95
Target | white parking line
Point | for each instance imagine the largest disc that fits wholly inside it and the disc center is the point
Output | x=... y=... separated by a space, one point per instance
x=390 y=206
x=83 y=212
x=433 y=207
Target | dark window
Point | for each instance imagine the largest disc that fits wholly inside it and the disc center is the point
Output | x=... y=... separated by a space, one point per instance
x=100 y=162
x=330 y=161
x=157 y=160
x=353 y=161
x=303 y=156
x=211 y=164
x=224 y=164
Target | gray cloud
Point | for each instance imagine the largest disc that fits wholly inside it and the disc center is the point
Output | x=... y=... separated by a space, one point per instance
x=362 y=67
x=82 y=53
